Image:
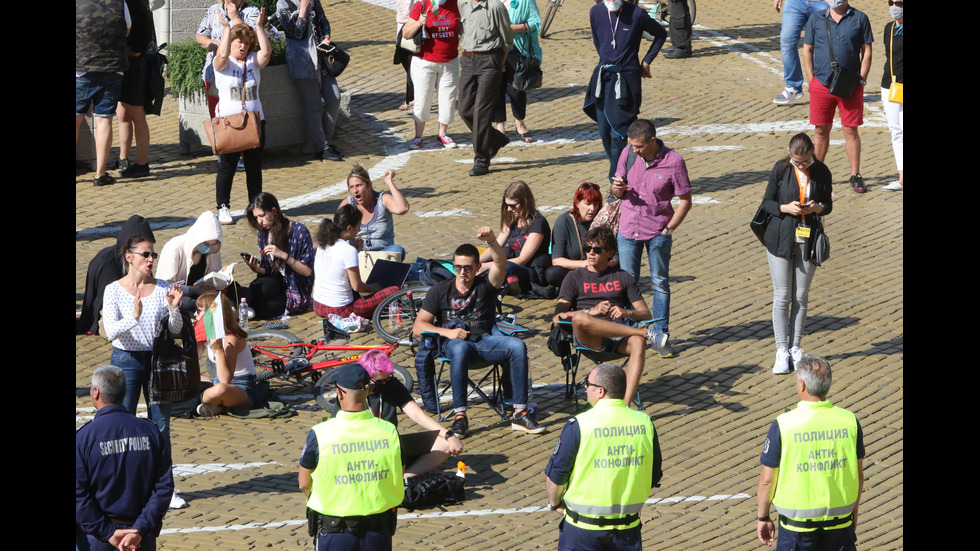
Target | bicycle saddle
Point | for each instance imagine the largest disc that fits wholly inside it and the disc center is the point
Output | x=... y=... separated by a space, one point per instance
x=331 y=332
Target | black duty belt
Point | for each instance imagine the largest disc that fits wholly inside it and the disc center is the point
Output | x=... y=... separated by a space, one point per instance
x=602 y=521
x=820 y=524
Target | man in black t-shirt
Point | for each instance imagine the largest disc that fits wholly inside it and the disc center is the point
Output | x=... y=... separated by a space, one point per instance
x=463 y=312
x=600 y=300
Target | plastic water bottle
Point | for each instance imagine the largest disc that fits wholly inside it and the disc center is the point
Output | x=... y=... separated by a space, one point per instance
x=394 y=313
x=243 y=315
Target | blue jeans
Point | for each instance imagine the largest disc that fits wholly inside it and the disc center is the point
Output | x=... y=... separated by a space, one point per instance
x=496 y=348
x=136 y=367
x=658 y=251
x=795 y=15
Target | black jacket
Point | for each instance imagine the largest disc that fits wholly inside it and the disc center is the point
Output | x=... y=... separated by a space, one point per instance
x=782 y=189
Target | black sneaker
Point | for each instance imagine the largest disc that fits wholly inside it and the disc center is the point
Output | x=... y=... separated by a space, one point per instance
x=330 y=154
x=522 y=422
x=136 y=170
x=121 y=164
x=857 y=183
x=104 y=180
x=460 y=426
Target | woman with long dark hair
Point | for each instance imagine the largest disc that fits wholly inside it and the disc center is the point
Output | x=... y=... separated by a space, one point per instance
x=284 y=265
x=338 y=274
x=799 y=192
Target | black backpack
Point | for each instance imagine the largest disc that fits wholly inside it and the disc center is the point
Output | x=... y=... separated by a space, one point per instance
x=434 y=271
x=431 y=489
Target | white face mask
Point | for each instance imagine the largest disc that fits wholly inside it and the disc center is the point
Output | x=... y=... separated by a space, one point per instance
x=614 y=5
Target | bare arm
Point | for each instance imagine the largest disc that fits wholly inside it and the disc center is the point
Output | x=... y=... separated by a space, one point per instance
x=866 y=62
x=498 y=271
x=224 y=47
x=226 y=353
x=424 y=322
x=412 y=26
x=765 y=529
x=681 y=211
x=415 y=413
x=394 y=200
x=305 y=481
x=354 y=275
x=555 y=493
x=487 y=255
x=264 y=54
x=534 y=240
x=807 y=59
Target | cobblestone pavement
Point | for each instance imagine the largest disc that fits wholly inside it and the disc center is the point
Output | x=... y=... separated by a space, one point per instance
x=711 y=405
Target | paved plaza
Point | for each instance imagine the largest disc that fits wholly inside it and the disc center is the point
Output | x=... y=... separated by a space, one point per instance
x=711 y=405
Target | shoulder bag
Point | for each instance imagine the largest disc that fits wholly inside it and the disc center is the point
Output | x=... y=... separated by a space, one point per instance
x=237 y=132
x=528 y=74
x=843 y=81
x=413 y=44
x=896 y=91
x=820 y=249
x=333 y=59
x=175 y=374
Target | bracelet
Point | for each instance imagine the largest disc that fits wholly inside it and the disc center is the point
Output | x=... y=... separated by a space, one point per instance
x=763 y=519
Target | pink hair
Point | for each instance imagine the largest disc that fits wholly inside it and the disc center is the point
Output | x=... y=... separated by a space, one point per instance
x=375 y=362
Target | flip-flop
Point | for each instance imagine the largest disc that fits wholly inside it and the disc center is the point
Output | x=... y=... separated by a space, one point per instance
x=406 y=106
x=526 y=137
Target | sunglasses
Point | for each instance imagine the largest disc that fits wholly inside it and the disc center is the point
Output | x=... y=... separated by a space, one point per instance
x=590 y=248
x=587 y=384
x=514 y=206
x=898 y=3
x=146 y=254
x=462 y=268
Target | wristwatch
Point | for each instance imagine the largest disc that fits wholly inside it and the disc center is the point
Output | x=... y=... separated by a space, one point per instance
x=763 y=519
x=668 y=230
x=449 y=434
x=554 y=507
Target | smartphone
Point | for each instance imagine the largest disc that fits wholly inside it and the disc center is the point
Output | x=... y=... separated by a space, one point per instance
x=247 y=257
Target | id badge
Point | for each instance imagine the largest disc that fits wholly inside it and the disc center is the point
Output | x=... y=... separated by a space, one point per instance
x=803 y=231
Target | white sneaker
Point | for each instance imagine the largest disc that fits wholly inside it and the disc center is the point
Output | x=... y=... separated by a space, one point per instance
x=788 y=96
x=224 y=215
x=796 y=353
x=655 y=339
x=894 y=186
x=781 y=367
x=177 y=502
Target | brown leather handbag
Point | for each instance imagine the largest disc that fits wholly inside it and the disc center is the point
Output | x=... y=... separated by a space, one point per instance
x=238 y=132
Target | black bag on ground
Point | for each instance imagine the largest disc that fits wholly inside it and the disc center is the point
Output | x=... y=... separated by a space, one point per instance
x=431 y=489
x=434 y=271
x=175 y=373
x=559 y=342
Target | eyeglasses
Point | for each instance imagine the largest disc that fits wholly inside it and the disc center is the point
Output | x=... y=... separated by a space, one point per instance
x=898 y=3
x=463 y=268
x=588 y=384
x=590 y=248
x=146 y=254
x=802 y=164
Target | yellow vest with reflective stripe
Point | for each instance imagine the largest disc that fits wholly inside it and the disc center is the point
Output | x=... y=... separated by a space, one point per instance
x=359 y=471
x=613 y=470
x=818 y=471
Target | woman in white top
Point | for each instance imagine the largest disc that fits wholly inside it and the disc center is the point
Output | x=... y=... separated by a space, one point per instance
x=234 y=385
x=133 y=308
x=336 y=269
x=237 y=64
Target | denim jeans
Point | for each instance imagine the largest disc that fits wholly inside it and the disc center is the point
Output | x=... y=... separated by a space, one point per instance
x=795 y=15
x=496 y=348
x=658 y=251
x=136 y=367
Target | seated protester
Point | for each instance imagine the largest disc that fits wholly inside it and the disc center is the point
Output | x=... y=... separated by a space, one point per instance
x=524 y=236
x=377 y=233
x=234 y=385
x=387 y=393
x=463 y=311
x=599 y=299
x=106 y=267
x=568 y=236
x=190 y=256
x=338 y=274
x=285 y=262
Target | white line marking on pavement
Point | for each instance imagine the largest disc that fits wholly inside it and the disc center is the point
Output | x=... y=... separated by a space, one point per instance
x=447 y=514
x=442 y=213
x=187 y=469
x=495 y=160
x=715 y=148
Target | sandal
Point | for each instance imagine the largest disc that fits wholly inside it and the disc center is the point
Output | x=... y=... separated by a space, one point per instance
x=407 y=106
x=526 y=137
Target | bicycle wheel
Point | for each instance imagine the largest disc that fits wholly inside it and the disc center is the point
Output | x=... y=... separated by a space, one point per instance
x=394 y=317
x=267 y=354
x=405 y=376
x=548 y=18
x=327 y=400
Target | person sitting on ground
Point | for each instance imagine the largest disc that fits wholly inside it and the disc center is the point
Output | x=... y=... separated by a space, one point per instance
x=568 y=237
x=378 y=233
x=524 y=236
x=106 y=267
x=187 y=258
x=338 y=273
x=234 y=384
x=463 y=311
x=388 y=393
x=600 y=300
x=285 y=262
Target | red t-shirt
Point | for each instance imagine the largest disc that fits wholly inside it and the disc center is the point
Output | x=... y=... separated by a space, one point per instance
x=443 y=43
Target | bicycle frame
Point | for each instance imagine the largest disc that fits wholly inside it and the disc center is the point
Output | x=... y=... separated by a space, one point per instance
x=288 y=365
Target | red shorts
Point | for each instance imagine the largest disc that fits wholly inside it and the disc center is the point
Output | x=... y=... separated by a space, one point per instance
x=823 y=104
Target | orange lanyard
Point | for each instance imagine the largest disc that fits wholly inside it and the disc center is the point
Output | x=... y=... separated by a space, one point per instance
x=802 y=187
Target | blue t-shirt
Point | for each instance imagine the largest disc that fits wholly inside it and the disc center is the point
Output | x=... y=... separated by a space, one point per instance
x=850 y=35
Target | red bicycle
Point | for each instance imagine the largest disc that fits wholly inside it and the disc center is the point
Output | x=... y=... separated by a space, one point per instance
x=281 y=354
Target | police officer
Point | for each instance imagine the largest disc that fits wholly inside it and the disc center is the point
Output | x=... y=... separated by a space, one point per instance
x=812 y=469
x=123 y=481
x=601 y=472
x=351 y=471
